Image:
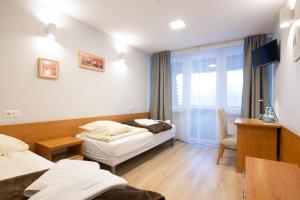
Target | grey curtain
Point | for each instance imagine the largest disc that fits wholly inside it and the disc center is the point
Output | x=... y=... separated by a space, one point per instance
x=255 y=86
x=161 y=88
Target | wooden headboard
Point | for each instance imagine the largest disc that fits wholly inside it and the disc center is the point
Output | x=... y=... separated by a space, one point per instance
x=34 y=132
x=289 y=146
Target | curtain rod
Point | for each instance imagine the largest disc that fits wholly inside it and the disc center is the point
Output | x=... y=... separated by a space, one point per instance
x=207 y=45
x=211 y=45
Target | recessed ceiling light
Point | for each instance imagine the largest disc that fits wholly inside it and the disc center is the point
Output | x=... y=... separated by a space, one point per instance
x=178 y=24
x=212 y=65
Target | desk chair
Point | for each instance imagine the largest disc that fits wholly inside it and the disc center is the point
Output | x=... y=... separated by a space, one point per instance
x=226 y=140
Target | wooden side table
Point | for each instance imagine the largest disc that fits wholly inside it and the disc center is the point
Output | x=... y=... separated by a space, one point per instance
x=60 y=148
x=257 y=139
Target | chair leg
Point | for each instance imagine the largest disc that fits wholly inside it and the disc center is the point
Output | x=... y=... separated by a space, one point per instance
x=221 y=151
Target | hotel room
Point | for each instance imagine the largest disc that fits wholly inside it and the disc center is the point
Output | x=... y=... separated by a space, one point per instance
x=150 y=100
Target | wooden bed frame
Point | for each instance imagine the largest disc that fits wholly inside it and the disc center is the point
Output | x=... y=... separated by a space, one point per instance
x=31 y=133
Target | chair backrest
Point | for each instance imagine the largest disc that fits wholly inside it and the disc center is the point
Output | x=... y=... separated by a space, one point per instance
x=222 y=123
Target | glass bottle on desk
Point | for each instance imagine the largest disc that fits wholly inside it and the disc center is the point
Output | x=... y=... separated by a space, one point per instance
x=269 y=115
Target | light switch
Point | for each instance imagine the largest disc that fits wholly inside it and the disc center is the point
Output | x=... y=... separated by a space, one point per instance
x=17 y=113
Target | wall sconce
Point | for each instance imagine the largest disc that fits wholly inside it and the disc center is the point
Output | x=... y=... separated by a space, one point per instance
x=51 y=31
x=286 y=17
x=121 y=57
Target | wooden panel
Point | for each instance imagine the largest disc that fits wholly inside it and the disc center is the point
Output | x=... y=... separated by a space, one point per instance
x=34 y=132
x=289 y=146
x=268 y=180
x=255 y=141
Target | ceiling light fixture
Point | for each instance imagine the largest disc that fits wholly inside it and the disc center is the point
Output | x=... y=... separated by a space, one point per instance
x=178 y=24
x=286 y=17
x=51 y=31
x=212 y=65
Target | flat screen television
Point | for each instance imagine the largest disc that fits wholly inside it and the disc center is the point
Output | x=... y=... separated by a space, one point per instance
x=265 y=55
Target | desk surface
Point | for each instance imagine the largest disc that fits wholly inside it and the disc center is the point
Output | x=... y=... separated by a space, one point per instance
x=255 y=122
x=268 y=180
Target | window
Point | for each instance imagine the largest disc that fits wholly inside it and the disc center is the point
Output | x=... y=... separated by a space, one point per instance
x=204 y=79
x=203 y=82
x=177 y=83
x=234 y=80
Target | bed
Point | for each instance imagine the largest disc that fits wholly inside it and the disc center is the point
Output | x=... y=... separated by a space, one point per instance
x=20 y=163
x=118 y=151
x=18 y=170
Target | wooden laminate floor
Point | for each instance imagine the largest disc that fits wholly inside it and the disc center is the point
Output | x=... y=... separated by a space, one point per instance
x=184 y=172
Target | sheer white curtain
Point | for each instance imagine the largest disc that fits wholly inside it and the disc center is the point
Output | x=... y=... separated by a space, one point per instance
x=204 y=79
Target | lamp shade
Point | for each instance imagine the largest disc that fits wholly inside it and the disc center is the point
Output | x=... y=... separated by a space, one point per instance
x=286 y=17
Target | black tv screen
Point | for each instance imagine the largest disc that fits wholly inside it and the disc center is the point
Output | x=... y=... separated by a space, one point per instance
x=265 y=55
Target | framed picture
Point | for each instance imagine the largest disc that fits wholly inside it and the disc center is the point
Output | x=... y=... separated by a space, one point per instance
x=89 y=61
x=296 y=44
x=48 y=69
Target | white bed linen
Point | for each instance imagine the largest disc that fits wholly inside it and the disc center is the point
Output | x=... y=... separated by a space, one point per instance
x=82 y=187
x=20 y=163
x=73 y=179
x=115 y=152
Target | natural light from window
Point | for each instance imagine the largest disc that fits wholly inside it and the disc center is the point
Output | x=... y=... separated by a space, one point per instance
x=203 y=80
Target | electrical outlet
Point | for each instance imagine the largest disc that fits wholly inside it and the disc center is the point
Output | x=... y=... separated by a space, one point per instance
x=8 y=114
x=130 y=109
x=12 y=114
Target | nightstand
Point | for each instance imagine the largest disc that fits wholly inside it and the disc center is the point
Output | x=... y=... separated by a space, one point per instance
x=60 y=148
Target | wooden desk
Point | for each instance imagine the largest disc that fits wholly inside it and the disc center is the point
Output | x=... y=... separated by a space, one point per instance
x=255 y=138
x=269 y=180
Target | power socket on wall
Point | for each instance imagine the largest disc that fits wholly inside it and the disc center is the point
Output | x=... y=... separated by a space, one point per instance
x=130 y=109
x=11 y=114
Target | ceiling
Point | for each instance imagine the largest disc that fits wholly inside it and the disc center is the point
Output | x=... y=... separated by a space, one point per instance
x=144 y=23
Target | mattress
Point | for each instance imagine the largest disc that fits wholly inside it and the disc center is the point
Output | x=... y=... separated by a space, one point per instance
x=115 y=152
x=20 y=163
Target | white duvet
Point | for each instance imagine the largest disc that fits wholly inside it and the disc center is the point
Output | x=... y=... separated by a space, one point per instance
x=108 y=138
x=73 y=179
x=10 y=144
x=20 y=163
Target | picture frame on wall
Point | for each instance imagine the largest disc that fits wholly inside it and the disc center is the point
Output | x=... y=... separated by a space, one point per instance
x=48 y=69
x=90 y=61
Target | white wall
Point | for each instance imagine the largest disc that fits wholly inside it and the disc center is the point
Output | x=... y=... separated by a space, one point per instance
x=287 y=81
x=78 y=92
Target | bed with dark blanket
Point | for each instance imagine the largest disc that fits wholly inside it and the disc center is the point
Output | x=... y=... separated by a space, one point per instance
x=12 y=189
x=154 y=128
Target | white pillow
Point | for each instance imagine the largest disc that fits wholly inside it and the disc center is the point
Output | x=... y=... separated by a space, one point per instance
x=106 y=128
x=10 y=144
x=146 y=122
x=102 y=124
